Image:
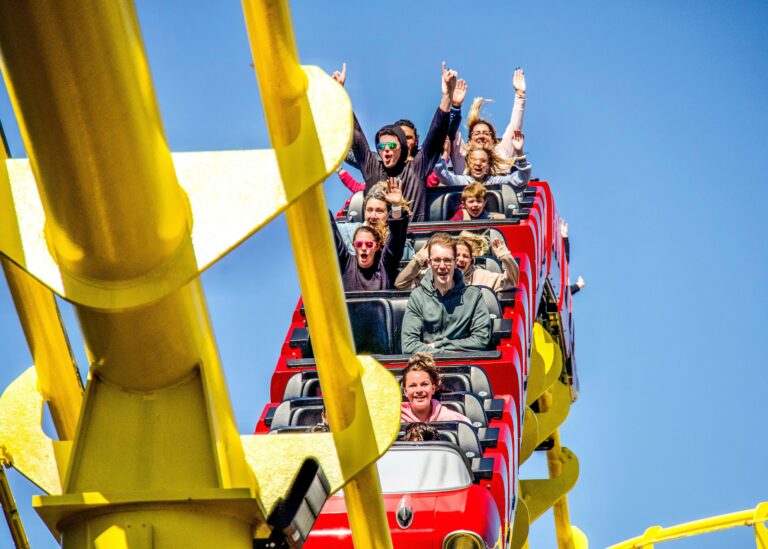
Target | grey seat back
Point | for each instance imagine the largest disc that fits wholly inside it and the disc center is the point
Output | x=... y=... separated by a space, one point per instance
x=355 y=211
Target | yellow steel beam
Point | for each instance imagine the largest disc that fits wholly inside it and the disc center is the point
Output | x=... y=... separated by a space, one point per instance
x=58 y=378
x=520 y=526
x=540 y=494
x=230 y=195
x=23 y=444
x=553 y=400
x=148 y=337
x=282 y=86
x=114 y=214
x=546 y=364
x=656 y=534
x=530 y=438
x=7 y=502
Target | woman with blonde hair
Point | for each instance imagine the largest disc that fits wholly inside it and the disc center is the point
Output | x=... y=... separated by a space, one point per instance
x=483 y=134
x=487 y=167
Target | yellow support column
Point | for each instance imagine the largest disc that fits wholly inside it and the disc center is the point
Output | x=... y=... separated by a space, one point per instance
x=282 y=85
x=80 y=84
x=58 y=378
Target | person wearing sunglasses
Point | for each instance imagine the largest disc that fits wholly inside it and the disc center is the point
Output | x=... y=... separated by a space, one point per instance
x=483 y=134
x=391 y=156
x=443 y=313
x=376 y=258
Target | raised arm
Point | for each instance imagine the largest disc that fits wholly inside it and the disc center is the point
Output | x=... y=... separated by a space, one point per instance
x=516 y=120
x=411 y=273
x=350 y=182
x=432 y=146
x=341 y=249
x=457 y=156
x=522 y=177
x=359 y=155
x=511 y=270
x=398 y=229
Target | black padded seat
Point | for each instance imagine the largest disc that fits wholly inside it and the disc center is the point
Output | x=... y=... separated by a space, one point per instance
x=443 y=202
x=459 y=433
x=463 y=378
x=489 y=263
x=355 y=210
x=377 y=320
x=297 y=412
x=468 y=404
x=307 y=411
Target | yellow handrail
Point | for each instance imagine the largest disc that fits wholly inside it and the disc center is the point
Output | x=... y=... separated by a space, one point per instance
x=749 y=517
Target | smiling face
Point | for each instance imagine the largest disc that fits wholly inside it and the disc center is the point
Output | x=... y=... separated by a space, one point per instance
x=419 y=390
x=375 y=212
x=389 y=150
x=365 y=248
x=481 y=135
x=478 y=164
x=474 y=205
x=441 y=258
x=463 y=257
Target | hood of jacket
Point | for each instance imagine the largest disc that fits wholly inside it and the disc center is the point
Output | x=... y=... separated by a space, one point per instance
x=400 y=134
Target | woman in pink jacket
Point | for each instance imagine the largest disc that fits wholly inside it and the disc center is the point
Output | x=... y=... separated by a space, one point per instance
x=420 y=381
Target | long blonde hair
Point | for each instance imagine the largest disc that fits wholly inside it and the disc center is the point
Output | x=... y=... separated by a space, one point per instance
x=497 y=163
x=476 y=243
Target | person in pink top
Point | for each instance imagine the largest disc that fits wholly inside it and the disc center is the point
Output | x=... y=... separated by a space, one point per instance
x=420 y=381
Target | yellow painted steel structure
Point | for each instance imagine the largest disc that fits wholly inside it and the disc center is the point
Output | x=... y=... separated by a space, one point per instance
x=553 y=401
x=104 y=215
x=750 y=517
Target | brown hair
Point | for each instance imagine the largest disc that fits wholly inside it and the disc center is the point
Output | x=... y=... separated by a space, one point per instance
x=420 y=432
x=379 y=192
x=441 y=239
x=422 y=362
x=377 y=237
x=474 y=190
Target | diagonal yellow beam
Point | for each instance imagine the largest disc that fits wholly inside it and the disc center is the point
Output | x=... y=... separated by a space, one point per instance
x=58 y=377
x=276 y=62
x=750 y=517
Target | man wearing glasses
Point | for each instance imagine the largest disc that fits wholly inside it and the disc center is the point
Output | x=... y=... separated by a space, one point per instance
x=444 y=314
x=392 y=158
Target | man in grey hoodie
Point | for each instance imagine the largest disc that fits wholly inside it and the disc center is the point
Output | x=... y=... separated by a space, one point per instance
x=443 y=314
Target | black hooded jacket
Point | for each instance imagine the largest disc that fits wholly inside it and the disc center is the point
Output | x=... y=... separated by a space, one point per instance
x=414 y=173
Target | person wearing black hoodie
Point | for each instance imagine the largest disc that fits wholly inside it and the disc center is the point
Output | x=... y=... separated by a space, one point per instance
x=392 y=147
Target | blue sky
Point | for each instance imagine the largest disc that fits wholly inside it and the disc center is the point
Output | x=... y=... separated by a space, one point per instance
x=646 y=118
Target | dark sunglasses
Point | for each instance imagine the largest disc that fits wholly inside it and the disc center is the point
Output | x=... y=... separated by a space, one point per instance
x=361 y=243
x=388 y=145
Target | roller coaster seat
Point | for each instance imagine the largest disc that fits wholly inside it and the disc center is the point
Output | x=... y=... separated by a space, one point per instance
x=472 y=379
x=307 y=411
x=377 y=319
x=443 y=202
x=355 y=213
x=463 y=435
